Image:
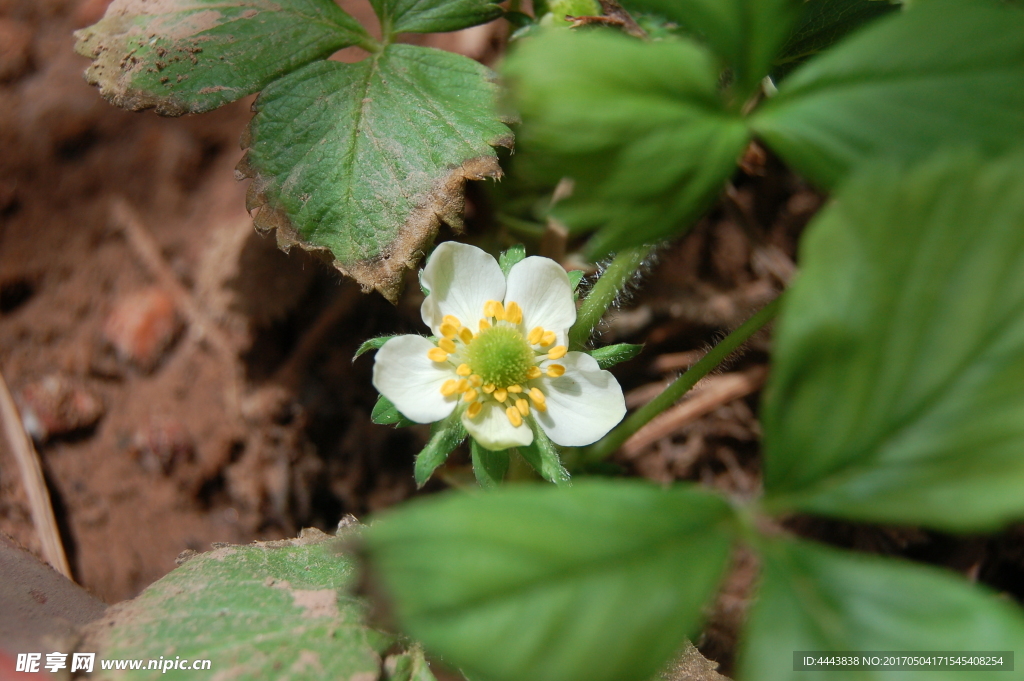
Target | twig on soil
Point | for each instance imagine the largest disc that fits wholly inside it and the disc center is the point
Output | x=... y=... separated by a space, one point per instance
x=715 y=392
x=35 y=485
x=312 y=340
x=146 y=248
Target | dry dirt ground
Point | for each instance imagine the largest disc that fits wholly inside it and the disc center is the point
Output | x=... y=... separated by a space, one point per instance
x=208 y=394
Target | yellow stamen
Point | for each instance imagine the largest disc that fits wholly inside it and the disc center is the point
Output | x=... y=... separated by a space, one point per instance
x=462 y=386
x=555 y=370
x=465 y=335
x=484 y=325
x=514 y=417
x=514 y=313
x=548 y=338
x=475 y=381
x=534 y=336
x=451 y=319
x=469 y=395
x=474 y=409
x=491 y=308
x=533 y=372
x=448 y=387
x=557 y=352
x=523 y=406
x=447 y=345
x=499 y=311
x=449 y=330
x=489 y=388
x=500 y=394
x=515 y=389
x=437 y=355
x=463 y=370
x=539 y=401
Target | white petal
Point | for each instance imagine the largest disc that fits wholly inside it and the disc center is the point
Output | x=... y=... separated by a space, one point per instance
x=583 y=404
x=404 y=374
x=460 y=278
x=542 y=289
x=492 y=429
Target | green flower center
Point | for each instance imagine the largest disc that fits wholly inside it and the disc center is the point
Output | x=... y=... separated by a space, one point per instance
x=500 y=356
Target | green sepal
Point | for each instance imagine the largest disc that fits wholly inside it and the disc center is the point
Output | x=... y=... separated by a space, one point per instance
x=385 y=413
x=610 y=355
x=511 y=257
x=542 y=454
x=445 y=436
x=408 y=666
x=372 y=344
x=575 y=277
x=488 y=466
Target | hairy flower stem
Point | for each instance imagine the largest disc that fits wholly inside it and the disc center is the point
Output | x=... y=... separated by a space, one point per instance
x=605 y=447
x=607 y=288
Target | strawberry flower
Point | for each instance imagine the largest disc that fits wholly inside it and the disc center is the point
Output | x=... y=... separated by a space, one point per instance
x=500 y=357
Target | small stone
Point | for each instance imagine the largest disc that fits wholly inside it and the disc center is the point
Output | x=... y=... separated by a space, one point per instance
x=162 y=444
x=58 y=405
x=142 y=326
x=15 y=48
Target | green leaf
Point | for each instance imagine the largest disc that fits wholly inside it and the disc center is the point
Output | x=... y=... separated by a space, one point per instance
x=941 y=73
x=433 y=16
x=189 y=56
x=363 y=161
x=814 y=598
x=280 y=605
x=824 y=23
x=543 y=455
x=599 y=582
x=745 y=34
x=610 y=355
x=640 y=127
x=489 y=467
x=444 y=437
x=385 y=413
x=511 y=257
x=895 y=393
x=372 y=344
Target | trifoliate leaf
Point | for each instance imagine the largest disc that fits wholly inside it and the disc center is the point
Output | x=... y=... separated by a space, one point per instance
x=280 y=605
x=598 y=582
x=745 y=34
x=817 y=598
x=938 y=73
x=610 y=355
x=640 y=127
x=489 y=467
x=385 y=413
x=895 y=394
x=362 y=162
x=188 y=56
x=826 y=22
x=445 y=436
x=433 y=16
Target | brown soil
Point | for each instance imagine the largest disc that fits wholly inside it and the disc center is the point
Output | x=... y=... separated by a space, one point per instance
x=245 y=417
